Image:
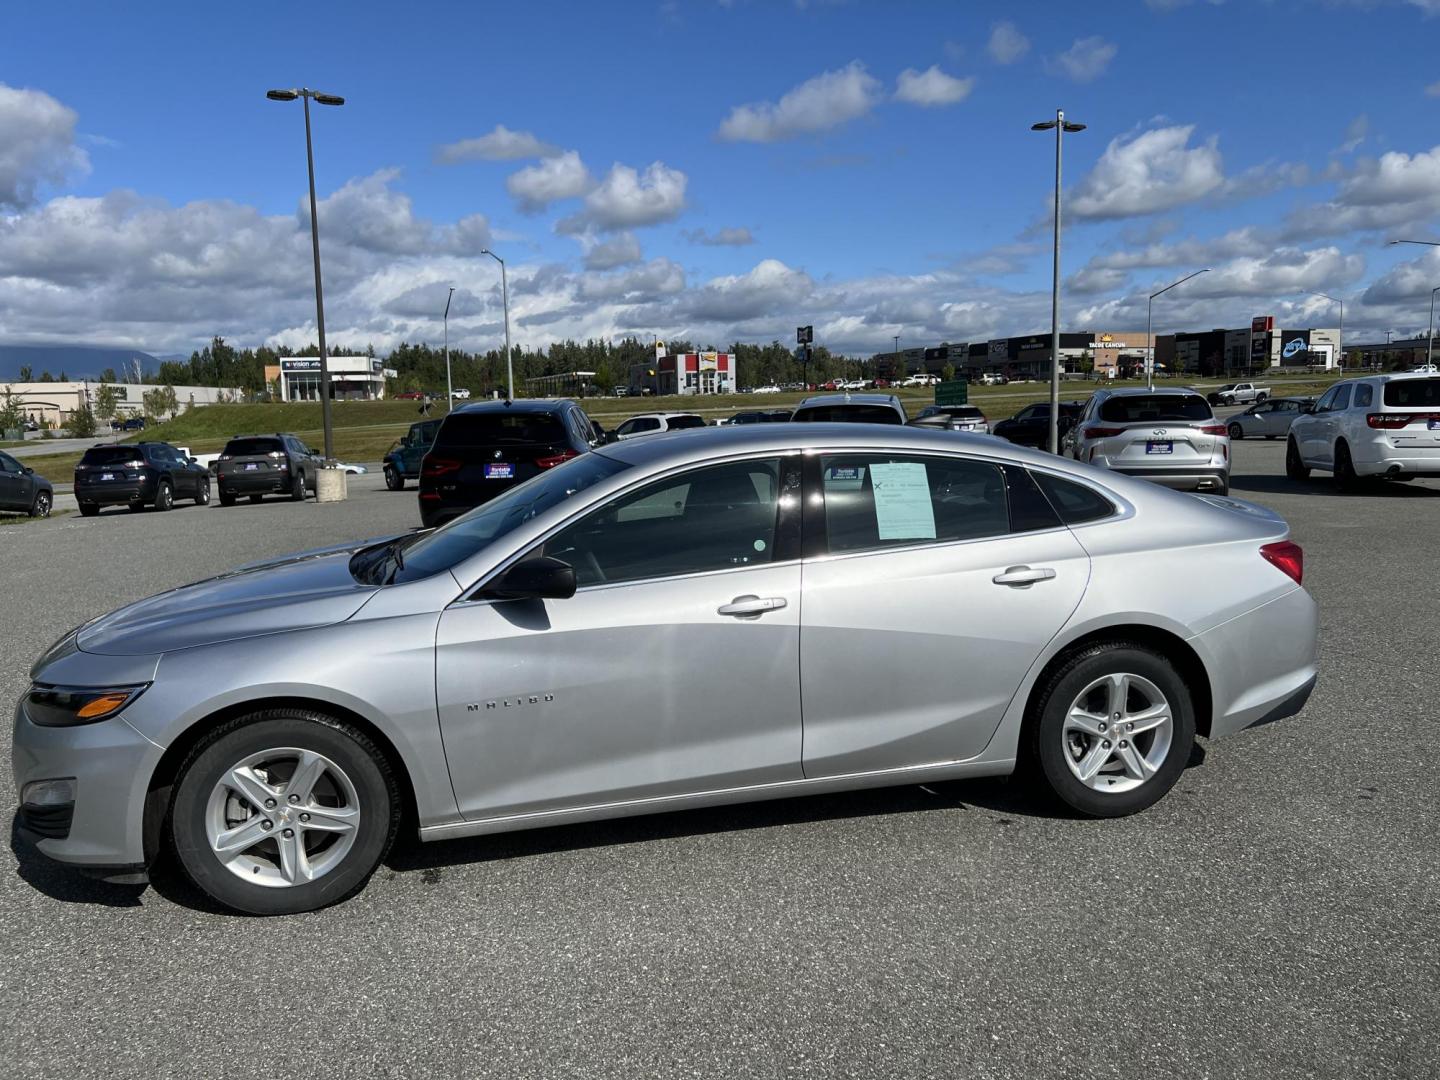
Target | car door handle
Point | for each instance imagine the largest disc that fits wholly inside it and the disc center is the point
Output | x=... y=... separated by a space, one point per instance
x=742 y=606
x=1022 y=577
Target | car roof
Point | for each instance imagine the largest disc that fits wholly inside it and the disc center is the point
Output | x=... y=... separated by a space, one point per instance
x=849 y=399
x=660 y=415
x=1159 y=391
x=529 y=405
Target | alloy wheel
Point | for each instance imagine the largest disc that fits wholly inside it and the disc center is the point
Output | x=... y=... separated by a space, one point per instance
x=1117 y=733
x=42 y=505
x=282 y=817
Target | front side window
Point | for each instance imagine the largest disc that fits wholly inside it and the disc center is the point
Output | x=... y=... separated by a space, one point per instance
x=1326 y=402
x=885 y=500
x=1342 y=398
x=8 y=464
x=721 y=517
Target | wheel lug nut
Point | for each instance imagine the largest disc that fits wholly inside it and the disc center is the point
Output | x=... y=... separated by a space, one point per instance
x=304 y=817
x=1123 y=744
x=1106 y=744
x=266 y=826
x=294 y=798
x=289 y=834
x=269 y=804
x=1104 y=726
x=1129 y=727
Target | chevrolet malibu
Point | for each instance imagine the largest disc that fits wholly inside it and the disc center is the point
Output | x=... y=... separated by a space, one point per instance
x=688 y=620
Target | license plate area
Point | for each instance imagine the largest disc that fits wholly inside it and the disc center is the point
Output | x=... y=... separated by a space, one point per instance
x=1434 y=425
x=503 y=470
x=1159 y=446
x=107 y=476
x=251 y=466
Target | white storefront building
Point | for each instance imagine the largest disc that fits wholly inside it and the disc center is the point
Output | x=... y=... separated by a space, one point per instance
x=359 y=378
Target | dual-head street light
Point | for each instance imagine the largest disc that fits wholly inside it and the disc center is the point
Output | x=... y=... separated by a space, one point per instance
x=1430 y=340
x=306 y=94
x=1061 y=126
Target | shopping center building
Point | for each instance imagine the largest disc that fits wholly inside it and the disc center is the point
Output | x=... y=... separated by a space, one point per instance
x=354 y=378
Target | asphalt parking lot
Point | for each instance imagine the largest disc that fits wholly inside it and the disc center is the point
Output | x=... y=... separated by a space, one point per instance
x=1277 y=915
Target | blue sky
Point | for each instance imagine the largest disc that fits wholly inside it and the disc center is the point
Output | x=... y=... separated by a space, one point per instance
x=713 y=170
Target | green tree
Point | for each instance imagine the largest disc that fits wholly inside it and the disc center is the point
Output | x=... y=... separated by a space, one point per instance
x=108 y=375
x=81 y=423
x=159 y=404
x=948 y=372
x=107 y=398
x=27 y=374
x=12 y=412
x=45 y=376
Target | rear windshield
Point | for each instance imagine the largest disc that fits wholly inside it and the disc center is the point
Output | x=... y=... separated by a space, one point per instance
x=1146 y=408
x=1413 y=393
x=961 y=412
x=500 y=428
x=110 y=455
x=679 y=422
x=849 y=414
x=253 y=447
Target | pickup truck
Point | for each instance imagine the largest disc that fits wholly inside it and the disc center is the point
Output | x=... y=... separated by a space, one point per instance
x=1239 y=393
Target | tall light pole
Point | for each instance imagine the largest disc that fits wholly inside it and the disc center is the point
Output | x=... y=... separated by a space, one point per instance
x=1061 y=126
x=449 y=383
x=505 y=302
x=305 y=94
x=1430 y=343
x=1149 y=337
x=1335 y=300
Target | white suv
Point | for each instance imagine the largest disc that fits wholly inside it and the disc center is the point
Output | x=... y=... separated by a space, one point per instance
x=1385 y=426
x=656 y=423
x=1168 y=436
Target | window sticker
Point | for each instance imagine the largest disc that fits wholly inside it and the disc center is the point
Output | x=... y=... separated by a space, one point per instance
x=902 y=501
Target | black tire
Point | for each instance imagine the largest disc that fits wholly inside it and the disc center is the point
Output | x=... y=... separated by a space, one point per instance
x=227 y=498
x=1046 y=742
x=297 y=487
x=202 y=493
x=256 y=498
x=351 y=750
x=394 y=479
x=1236 y=432
x=1345 y=475
x=41 y=507
x=89 y=509
x=164 y=496
x=1295 y=468
x=1260 y=397
x=135 y=507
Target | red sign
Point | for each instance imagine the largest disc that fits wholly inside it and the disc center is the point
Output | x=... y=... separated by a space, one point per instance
x=1262 y=324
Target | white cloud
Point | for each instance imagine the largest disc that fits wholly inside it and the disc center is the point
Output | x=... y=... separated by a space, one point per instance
x=1433 y=90
x=502 y=144
x=770 y=288
x=1409 y=282
x=826 y=101
x=1395 y=190
x=1148 y=173
x=737 y=236
x=1248 y=241
x=37 y=145
x=931 y=87
x=1085 y=60
x=622 y=249
x=1355 y=134
x=657 y=278
x=561 y=177
x=368 y=213
x=1007 y=44
x=628 y=199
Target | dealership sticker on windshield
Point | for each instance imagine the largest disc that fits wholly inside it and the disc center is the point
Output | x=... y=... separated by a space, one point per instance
x=902 y=501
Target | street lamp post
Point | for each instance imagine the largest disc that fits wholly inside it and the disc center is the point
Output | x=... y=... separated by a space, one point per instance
x=305 y=94
x=505 y=302
x=1430 y=341
x=1336 y=300
x=449 y=382
x=1061 y=126
x=1149 y=337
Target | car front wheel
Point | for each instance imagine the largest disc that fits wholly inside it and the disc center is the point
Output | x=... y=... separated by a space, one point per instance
x=165 y=496
x=393 y=479
x=41 y=506
x=1112 y=730
x=202 y=493
x=282 y=811
x=1236 y=432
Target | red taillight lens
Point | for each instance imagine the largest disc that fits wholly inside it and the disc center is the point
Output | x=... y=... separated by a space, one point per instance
x=1103 y=432
x=1288 y=557
x=556 y=459
x=1213 y=429
x=1395 y=421
x=435 y=467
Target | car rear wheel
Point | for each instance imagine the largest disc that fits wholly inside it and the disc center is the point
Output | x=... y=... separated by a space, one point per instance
x=1236 y=431
x=202 y=494
x=1112 y=729
x=297 y=487
x=227 y=498
x=41 y=506
x=1295 y=468
x=283 y=810
x=165 y=496
x=256 y=498
x=89 y=509
x=393 y=480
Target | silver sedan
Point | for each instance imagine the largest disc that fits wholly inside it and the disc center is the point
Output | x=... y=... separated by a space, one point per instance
x=1268 y=419
x=719 y=616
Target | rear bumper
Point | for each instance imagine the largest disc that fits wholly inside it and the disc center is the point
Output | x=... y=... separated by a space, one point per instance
x=458 y=500
x=1381 y=458
x=254 y=483
x=114 y=493
x=1182 y=478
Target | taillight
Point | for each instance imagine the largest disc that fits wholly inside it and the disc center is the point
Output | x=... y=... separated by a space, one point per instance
x=1103 y=432
x=1213 y=429
x=435 y=467
x=1394 y=421
x=1288 y=557
x=556 y=459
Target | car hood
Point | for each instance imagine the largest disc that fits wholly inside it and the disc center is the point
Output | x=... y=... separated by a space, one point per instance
x=297 y=592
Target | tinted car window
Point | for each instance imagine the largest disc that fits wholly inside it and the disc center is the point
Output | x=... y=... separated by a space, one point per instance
x=1075 y=503
x=849 y=414
x=884 y=500
x=108 y=455
x=1342 y=398
x=1413 y=393
x=1364 y=395
x=8 y=464
x=680 y=423
x=499 y=428
x=717 y=518
x=1148 y=408
x=253 y=447
x=643 y=423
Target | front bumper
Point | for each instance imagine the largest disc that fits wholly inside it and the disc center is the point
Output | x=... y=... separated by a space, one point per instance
x=111 y=764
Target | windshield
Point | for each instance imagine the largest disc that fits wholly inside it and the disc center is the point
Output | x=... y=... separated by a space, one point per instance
x=1153 y=408
x=453 y=543
x=849 y=414
x=253 y=447
x=1413 y=393
x=495 y=428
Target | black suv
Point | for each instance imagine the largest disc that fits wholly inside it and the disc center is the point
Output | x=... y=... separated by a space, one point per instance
x=1031 y=425
x=490 y=446
x=260 y=465
x=23 y=490
x=138 y=475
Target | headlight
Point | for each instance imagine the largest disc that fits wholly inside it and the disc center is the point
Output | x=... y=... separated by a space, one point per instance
x=69 y=706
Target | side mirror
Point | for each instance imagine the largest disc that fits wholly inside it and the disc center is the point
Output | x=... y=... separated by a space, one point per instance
x=193 y=460
x=540 y=578
x=1309 y=407
x=29 y=471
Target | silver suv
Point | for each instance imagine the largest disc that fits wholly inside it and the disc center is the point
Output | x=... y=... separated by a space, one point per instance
x=1168 y=436
x=1384 y=426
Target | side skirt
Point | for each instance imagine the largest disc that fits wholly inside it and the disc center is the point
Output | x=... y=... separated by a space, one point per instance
x=919 y=774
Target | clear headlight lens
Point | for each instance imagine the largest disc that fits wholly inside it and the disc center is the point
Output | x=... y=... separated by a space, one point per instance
x=68 y=706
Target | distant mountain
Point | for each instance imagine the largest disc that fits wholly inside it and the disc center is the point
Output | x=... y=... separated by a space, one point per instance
x=77 y=361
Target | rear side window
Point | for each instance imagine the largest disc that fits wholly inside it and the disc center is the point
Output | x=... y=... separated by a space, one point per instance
x=253 y=447
x=883 y=501
x=1075 y=503
x=1148 y=408
x=640 y=423
x=1413 y=393
x=1364 y=395
x=108 y=455
x=500 y=429
x=680 y=423
x=849 y=414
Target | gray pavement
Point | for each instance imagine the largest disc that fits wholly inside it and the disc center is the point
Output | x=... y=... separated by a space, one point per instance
x=1277 y=915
